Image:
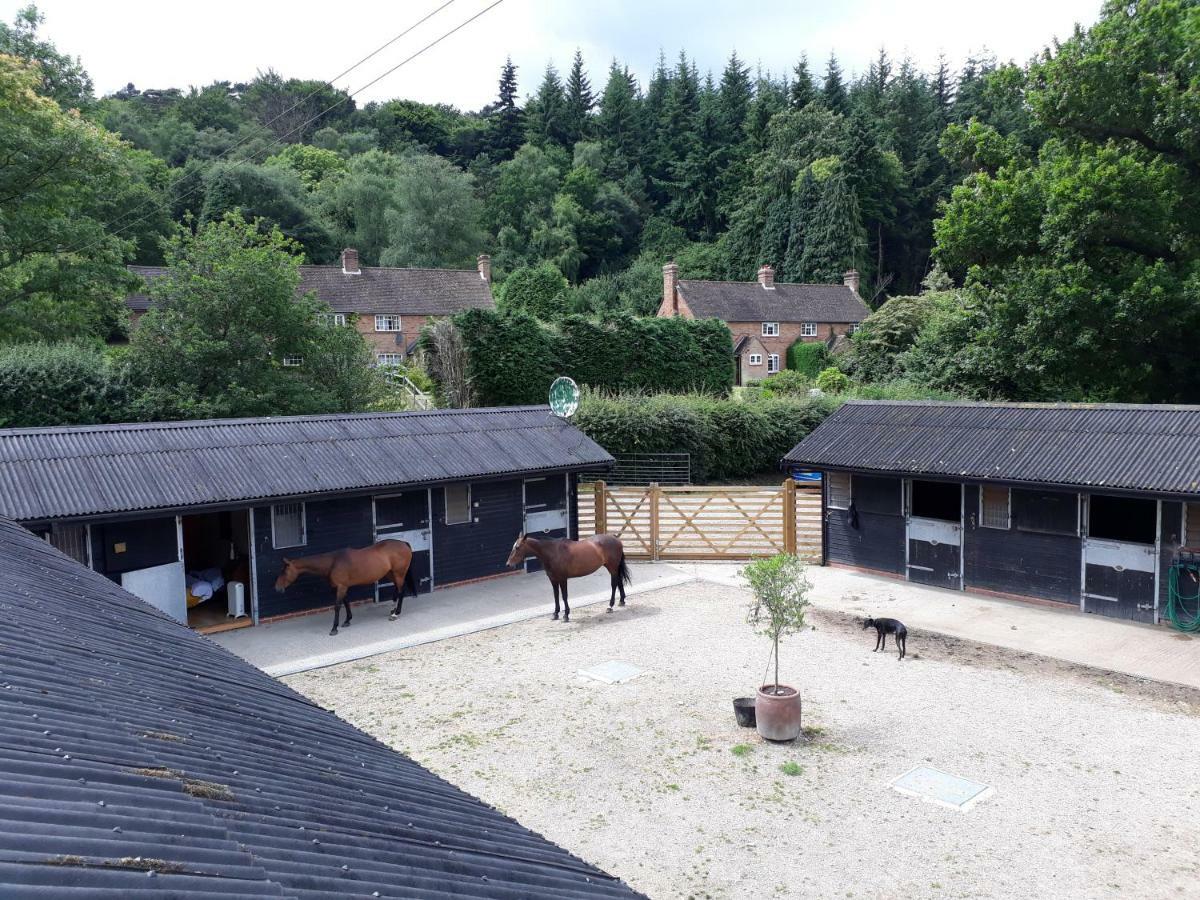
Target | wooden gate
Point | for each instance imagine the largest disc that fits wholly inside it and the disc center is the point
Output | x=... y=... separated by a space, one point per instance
x=701 y=522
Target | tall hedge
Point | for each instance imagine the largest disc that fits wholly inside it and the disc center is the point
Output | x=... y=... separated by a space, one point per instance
x=808 y=357
x=513 y=357
x=60 y=384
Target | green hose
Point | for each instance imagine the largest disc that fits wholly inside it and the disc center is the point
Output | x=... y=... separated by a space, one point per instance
x=1184 y=609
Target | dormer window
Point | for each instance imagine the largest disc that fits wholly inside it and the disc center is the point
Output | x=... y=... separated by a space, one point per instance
x=770 y=329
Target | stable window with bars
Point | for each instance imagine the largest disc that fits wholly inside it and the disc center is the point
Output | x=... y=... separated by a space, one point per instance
x=288 y=526
x=839 y=489
x=458 y=504
x=994 y=507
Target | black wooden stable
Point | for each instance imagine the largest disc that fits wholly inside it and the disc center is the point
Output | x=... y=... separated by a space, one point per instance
x=139 y=502
x=1085 y=505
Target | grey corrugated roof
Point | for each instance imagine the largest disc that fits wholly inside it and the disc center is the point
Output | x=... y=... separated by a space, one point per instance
x=386 y=291
x=749 y=301
x=88 y=470
x=1117 y=446
x=129 y=743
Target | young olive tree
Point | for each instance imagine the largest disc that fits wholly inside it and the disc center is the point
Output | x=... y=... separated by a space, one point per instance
x=780 y=599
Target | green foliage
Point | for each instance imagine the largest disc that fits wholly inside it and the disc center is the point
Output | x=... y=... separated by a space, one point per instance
x=60 y=77
x=808 y=357
x=780 y=601
x=789 y=382
x=435 y=217
x=273 y=196
x=59 y=384
x=312 y=165
x=832 y=380
x=540 y=291
x=888 y=332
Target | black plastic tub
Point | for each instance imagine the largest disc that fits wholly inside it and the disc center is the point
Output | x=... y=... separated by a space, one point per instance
x=743 y=708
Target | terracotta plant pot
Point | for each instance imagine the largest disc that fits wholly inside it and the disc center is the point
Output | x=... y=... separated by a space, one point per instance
x=778 y=715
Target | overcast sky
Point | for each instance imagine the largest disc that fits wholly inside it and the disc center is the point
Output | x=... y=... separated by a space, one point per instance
x=171 y=44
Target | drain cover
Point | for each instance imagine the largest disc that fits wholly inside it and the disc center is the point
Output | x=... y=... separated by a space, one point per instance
x=612 y=672
x=939 y=787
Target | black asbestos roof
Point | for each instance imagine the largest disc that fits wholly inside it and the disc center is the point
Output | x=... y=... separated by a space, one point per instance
x=377 y=289
x=78 y=471
x=129 y=743
x=1153 y=449
x=749 y=301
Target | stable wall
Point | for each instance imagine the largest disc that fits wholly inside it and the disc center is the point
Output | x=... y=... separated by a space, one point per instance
x=878 y=541
x=481 y=547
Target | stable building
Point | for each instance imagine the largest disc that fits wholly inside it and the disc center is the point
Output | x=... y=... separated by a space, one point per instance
x=197 y=517
x=1085 y=505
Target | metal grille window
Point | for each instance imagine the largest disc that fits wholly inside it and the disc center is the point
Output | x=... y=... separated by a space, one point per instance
x=808 y=329
x=756 y=359
x=994 y=507
x=772 y=363
x=458 y=504
x=839 y=489
x=288 y=526
x=387 y=323
x=770 y=329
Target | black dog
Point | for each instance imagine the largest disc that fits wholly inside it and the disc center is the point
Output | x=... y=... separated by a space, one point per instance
x=884 y=627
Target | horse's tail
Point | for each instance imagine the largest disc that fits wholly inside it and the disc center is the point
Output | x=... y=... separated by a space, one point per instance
x=623 y=571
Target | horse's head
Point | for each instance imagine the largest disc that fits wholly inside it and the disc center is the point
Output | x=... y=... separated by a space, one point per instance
x=289 y=574
x=520 y=550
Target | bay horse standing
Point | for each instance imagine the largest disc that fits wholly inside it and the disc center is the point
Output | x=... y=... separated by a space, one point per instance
x=563 y=558
x=348 y=568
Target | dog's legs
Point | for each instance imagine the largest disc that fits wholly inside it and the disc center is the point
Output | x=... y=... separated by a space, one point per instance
x=901 y=639
x=878 y=635
x=883 y=638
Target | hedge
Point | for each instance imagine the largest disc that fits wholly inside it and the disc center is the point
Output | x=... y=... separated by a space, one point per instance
x=512 y=357
x=808 y=357
x=728 y=439
x=59 y=384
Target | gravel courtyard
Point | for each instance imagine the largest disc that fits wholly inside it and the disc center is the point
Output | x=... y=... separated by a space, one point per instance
x=1096 y=792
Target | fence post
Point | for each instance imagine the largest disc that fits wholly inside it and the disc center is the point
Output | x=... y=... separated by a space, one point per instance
x=600 y=508
x=655 y=493
x=789 y=516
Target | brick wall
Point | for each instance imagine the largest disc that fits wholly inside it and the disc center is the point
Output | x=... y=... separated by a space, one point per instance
x=385 y=341
x=789 y=333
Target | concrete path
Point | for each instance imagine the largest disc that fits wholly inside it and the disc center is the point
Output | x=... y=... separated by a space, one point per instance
x=302 y=643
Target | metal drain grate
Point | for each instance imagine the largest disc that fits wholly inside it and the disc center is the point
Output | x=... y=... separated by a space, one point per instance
x=939 y=787
x=612 y=672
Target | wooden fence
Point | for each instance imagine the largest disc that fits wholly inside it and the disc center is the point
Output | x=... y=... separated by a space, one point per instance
x=701 y=522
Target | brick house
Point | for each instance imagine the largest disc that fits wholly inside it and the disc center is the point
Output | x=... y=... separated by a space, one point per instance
x=766 y=318
x=390 y=305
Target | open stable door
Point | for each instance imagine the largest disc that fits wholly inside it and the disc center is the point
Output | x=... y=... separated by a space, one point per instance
x=546 y=514
x=933 y=525
x=405 y=517
x=1120 y=557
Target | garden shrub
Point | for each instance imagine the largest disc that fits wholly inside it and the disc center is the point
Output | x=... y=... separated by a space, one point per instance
x=788 y=382
x=538 y=290
x=808 y=358
x=60 y=384
x=833 y=380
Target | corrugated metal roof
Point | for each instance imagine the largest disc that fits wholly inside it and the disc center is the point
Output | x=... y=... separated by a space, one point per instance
x=1117 y=446
x=50 y=473
x=131 y=745
x=749 y=301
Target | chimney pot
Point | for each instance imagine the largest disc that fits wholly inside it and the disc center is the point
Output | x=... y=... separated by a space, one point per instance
x=350 y=262
x=850 y=279
x=484 y=263
x=766 y=276
x=670 y=283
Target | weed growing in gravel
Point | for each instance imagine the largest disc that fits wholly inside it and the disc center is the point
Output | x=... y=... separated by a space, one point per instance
x=741 y=749
x=791 y=767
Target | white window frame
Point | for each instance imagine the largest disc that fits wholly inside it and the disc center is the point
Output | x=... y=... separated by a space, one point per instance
x=844 y=490
x=331 y=318
x=983 y=518
x=389 y=323
x=772 y=363
x=275 y=507
x=398 y=359
x=446 y=505
x=293 y=361
x=756 y=359
x=770 y=329
x=808 y=329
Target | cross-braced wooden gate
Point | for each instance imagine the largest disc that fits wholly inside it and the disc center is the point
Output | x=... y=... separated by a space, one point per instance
x=701 y=522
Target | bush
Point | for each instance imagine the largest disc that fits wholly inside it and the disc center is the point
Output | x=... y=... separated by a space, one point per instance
x=787 y=383
x=833 y=380
x=808 y=358
x=538 y=290
x=60 y=384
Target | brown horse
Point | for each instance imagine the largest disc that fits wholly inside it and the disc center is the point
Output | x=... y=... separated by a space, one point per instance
x=348 y=568
x=563 y=558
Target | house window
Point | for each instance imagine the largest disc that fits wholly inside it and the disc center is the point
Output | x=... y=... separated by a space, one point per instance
x=808 y=329
x=293 y=360
x=387 y=323
x=390 y=359
x=1191 y=525
x=995 y=507
x=772 y=363
x=756 y=359
x=332 y=318
x=839 y=489
x=770 y=329
x=288 y=526
x=458 y=504
x=851 y=328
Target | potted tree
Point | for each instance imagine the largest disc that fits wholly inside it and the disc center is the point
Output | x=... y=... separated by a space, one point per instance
x=780 y=601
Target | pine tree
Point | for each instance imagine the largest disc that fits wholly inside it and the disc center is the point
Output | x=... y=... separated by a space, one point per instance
x=546 y=113
x=802 y=91
x=508 y=132
x=770 y=97
x=579 y=102
x=772 y=249
x=834 y=91
x=943 y=90
x=619 y=124
x=696 y=177
x=803 y=208
x=733 y=102
x=835 y=239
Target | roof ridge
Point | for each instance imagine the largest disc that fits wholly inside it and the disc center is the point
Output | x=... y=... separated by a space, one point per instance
x=337 y=267
x=754 y=283
x=1028 y=404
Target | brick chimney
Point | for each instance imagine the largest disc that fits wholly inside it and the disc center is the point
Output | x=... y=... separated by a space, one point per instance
x=484 y=262
x=766 y=276
x=350 y=262
x=670 y=282
x=850 y=280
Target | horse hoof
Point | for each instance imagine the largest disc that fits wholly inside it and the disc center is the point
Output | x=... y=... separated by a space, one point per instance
x=622 y=603
x=609 y=610
x=566 y=619
x=333 y=632
x=554 y=618
x=393 y=617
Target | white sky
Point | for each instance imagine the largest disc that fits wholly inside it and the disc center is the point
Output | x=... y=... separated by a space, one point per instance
x=172 y=44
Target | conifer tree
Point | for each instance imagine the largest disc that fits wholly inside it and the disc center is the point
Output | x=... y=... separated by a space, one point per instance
x=833 y=93
x=546 y=113
x=834 y=241
x=733 y=104
x=508 y=132
x=618 y=124
x=579 y=102
x=802 y=90
x=803 y=208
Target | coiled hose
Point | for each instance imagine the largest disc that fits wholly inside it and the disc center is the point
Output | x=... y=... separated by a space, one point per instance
x=1183 y=596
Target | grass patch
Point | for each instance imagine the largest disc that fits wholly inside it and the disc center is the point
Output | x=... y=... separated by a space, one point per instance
x=208 y=790
x=741 y=749
x=161 y=736
x=791 y=767
x=159 y=772
x=66 y=861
